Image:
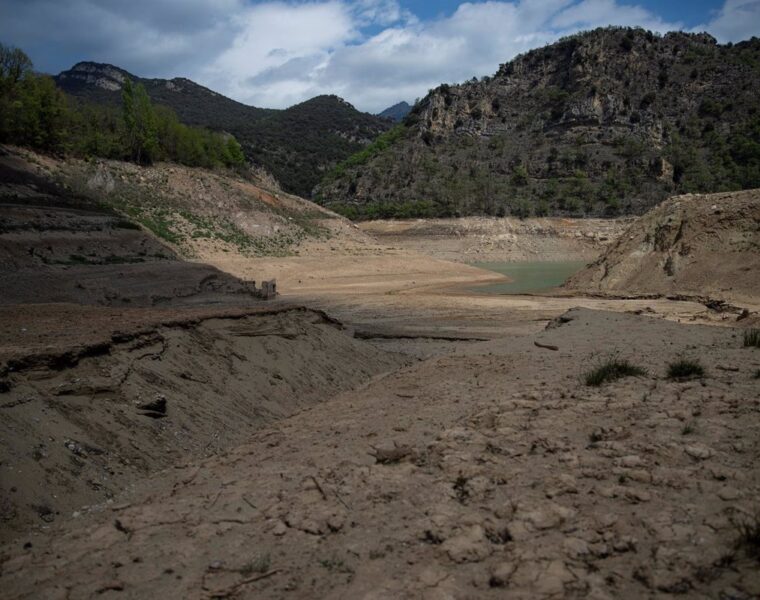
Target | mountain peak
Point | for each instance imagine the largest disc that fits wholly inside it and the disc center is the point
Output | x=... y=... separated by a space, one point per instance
x=101 y=75
x=397 y=112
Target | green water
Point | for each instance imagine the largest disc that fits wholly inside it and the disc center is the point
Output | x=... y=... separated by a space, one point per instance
x=528 y=277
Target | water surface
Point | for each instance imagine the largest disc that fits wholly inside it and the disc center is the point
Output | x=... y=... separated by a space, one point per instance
x=528 y=277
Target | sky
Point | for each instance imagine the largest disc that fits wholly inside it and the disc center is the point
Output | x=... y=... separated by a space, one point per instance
x=373 y=53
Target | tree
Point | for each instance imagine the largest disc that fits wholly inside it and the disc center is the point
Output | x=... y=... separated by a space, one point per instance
x=140 y=123
x=33 y=111
x=14 y=66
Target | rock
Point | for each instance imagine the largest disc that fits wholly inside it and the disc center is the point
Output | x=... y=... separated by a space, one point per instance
x=469 y=546
x=699 y=451
x=575 y=547
x=548 y=517
x=631 y=462
x=389 y=453
x=729 y=493
x=155 y=409
x=640 y=475
x=637 y=495
x=501 y=574
x=279 y=528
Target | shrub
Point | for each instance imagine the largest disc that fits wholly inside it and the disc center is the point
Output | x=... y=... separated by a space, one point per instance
x=610 y=369
x=685 y=368
x=752 y=338
x=749 y=535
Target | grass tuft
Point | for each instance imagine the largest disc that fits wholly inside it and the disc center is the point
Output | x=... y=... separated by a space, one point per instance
x=752 y=338
x=610 y=369
x=749 y=535
x=685 y=368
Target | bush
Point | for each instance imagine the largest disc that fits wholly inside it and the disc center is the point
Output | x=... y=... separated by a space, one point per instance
x=685 y=368
x=752 y=338
x=610 y=369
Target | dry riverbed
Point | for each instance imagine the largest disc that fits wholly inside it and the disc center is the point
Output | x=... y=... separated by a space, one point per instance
x=433 y=443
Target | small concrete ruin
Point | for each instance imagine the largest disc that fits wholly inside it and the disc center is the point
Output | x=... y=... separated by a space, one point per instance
x=268 y=289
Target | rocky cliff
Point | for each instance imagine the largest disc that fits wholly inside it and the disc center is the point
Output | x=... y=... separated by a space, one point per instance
x=604 y=122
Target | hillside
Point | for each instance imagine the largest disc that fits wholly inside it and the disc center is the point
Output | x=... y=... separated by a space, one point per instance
x=604 y=122
x=295 y=145
x=196 y=213
x=703 y=245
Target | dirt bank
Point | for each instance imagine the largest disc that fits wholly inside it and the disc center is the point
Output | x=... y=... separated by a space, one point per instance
x=701 y=245
x=82 y=424
x=482 y=239
x=490 y=471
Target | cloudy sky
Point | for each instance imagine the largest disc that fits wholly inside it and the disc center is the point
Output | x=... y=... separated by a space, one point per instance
x=373 y=53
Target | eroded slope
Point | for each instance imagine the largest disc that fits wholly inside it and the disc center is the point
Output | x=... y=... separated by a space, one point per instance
x=701 y=245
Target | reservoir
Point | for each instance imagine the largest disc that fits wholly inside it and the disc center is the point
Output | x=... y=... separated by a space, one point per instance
x=528 y=277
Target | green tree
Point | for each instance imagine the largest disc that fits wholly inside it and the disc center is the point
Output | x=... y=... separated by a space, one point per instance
x=14 y=66
x=140 y=123
x=33 y=111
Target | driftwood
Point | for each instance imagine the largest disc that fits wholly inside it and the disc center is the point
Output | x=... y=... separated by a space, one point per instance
x=547 y=346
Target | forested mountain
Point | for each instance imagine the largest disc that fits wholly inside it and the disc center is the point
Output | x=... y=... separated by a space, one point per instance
x=296 y=145
x=397 y=112
x=600 y=123
x=35 y=113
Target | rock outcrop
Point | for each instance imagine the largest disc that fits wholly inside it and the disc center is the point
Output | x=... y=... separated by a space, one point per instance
x=702 y=245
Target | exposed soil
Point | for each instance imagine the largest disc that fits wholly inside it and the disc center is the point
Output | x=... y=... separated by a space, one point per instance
x=489 y=471
x=80 y=426
x=482 y=239
x=702 y=245
x=167 y=434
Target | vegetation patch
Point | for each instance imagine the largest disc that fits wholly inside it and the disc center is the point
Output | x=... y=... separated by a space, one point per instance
x=685 y=368
x=752 y=338
x=748 y=538
x=611 y=369
x=36 y=114
x=380 y=145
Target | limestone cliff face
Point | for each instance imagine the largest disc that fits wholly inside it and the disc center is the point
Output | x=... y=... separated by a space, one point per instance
x=103 y=76
x=604 y=122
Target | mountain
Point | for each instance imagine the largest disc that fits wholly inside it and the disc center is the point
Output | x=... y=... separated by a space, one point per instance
x=297 y=145
x=603 y=122
x=397 y=112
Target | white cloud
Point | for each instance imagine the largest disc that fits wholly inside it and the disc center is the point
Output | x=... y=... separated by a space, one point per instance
x=278 y=35
x=595 y=13
x=737 y=20
x=408 y=57
x=278 y=52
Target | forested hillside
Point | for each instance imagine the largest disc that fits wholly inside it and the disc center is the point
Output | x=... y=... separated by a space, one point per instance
x=604 y=122
x=36 y=114
x=297 y=145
